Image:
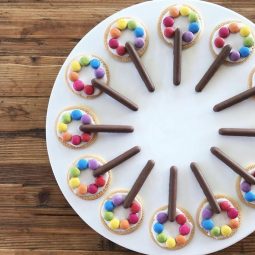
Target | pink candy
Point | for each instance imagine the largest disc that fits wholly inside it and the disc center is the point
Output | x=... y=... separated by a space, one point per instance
x=76 y=139
x=133 y=218
x=224 y=32
x=168 y=21
x=78 y=85
x=184 y=229
x=92 y=188
x=113 y=43
x=232 y=213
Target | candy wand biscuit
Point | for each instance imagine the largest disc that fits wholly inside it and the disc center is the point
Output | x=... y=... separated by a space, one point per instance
x=139 y=66
x=177 y=57
x=204 y=186
x=138 y=184
x=220 y=59
x=237 y=132
x=107 y=128
x=172 y=194
x=117 y=161
x=233 y=165
x=114 y=94
x=234 y=100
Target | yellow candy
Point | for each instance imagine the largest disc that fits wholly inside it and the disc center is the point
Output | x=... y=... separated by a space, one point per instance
x=62 y=127
x=226 y=230
x=74 y=182
x=245 y=31
x=185 y=11
x=121 y=24
x=114 y=223
x=170 y=243
x=75 y=66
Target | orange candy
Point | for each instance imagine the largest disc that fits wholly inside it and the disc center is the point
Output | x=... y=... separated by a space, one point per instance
x=66 y=137
x=73 y=76
x=234 y=223
x=124 y=224
x=82 y=189
x=174 y=12
x=180 y=240
x=115 y=32
x=234 y=28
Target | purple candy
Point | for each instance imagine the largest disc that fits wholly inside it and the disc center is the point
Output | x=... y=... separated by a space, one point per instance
x=85 y=119
x=118 y=200
x=187 y=37
x=245 y=186
x=234 y=55
x=207 y=214
x=139 y=42
x=93 y=164
x=99 y=73
x=162 y=217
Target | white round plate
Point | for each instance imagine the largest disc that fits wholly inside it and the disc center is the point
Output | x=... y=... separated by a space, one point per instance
x=174 y=126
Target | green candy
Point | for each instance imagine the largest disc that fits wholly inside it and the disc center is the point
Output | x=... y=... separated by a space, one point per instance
x=84 y=61
x=215 y=231
x=161 y=238
x=74 y=172
x=192 y=17
x=132 y=25
x=108 y=216
x=248 y=41
x=66 y=118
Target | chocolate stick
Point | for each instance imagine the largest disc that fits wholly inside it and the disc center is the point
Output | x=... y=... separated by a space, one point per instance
x=107 y=128
x=233 y=165
x=206 y=189
x=213 y=68
x=139 y=66
x=172 y=194
x=237 y=132
x=116 y=161
x=234 y=100
x=177 y=57
x=114 y=94
x=138 y=184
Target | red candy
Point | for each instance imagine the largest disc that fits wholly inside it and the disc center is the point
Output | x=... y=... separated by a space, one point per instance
x=133 y=218
x=113 y=43
x=232 y=213
x=78 y=85
x=76 y=139
x=89 y=90
x=224 y=206
x=169 y=32
x=168 y=21
x=85 y=137
x=224 y=32
x=92 y=188
x=184 y=230
x=181 y=219
x=121 y=50
x=219 y=42
x=135 y=207
x=100 y=181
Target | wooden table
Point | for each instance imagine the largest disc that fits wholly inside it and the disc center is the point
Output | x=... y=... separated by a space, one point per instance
x=35 y=38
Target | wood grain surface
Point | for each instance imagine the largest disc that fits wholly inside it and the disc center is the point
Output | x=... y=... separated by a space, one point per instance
x=35 y=38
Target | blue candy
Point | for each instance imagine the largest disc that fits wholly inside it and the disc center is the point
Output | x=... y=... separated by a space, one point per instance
x=139 y=32
x=249 y=196
x=82 y=164
x=109 y=206
x=244 y=52
x=207 y=224
x=194 y=27
x=76 y=114
x=158 y=228
x=95 y=63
